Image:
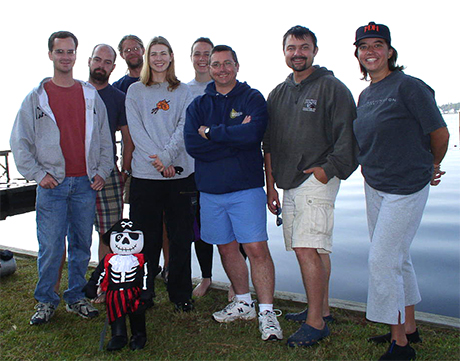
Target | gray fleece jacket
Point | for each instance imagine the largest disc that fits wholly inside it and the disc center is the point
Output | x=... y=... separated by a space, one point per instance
x=310 y=124
x=35 y=138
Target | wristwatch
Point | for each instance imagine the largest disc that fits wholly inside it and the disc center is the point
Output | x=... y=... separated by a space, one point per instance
x=207 y=133
x=127 y=172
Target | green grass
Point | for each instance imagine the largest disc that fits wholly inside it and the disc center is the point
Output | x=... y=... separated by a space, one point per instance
x=191 y=336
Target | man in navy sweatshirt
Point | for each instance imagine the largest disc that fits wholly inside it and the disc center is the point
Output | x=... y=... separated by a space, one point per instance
x=223 y=132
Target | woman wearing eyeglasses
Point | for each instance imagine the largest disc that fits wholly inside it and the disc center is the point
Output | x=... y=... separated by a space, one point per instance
x=402 y=139
x=162 y=172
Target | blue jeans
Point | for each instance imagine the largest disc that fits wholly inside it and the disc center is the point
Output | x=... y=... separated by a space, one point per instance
x=67 y=210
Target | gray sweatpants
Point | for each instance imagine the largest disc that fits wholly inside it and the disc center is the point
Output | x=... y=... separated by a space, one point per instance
x=393 y=221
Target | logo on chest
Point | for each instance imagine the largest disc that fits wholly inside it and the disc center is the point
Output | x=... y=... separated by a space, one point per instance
x=161 y=105
x=234 y=114
x=310 y=105
x=39 y=113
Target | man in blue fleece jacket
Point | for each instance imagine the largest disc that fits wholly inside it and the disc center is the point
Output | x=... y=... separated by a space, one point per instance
x=223 y=132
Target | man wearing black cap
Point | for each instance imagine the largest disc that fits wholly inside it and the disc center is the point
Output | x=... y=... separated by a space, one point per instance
x=308 y=147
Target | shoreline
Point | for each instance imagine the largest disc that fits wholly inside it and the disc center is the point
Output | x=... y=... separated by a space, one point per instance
x=431 y=318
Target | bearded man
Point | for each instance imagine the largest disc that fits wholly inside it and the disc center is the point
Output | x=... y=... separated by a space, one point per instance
x=109 y=201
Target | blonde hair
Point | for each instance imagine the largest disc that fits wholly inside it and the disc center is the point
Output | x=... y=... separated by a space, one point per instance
x=146 y=72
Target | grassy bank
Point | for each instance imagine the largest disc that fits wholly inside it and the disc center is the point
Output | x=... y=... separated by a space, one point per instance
x=192 y=336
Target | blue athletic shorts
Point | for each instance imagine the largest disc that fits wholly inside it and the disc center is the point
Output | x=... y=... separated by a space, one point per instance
x=240 y=216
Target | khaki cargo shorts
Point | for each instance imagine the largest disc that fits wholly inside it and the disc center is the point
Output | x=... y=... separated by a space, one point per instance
x=308 y=215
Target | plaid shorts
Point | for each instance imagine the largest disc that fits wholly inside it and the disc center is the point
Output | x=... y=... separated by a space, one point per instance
x=109 y=202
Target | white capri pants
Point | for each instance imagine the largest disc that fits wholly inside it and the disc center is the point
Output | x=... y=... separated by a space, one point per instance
x=393 y=220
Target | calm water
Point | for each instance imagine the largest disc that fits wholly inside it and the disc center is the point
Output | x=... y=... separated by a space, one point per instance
x=435 y=250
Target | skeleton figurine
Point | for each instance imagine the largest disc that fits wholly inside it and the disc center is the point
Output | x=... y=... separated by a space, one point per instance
x=125 y=277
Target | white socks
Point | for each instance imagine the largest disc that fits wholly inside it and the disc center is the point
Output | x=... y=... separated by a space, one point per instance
x=245 y=298
x=248 y=299
x=265 y=307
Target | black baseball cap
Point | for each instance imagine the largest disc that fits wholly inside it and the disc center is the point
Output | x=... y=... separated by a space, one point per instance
x=373 y=30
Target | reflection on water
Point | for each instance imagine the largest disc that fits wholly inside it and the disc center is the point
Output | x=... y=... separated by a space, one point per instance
x=435 y=250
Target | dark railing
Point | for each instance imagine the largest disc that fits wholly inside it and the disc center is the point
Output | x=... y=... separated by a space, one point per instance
x=4 y=167
x=17 y=195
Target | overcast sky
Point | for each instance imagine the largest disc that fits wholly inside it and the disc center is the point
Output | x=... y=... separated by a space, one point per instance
x=425 y=33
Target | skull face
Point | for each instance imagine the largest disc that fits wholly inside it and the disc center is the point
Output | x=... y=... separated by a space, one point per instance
x=127 y=242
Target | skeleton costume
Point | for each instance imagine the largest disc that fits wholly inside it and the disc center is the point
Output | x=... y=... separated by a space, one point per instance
x=123 y=291
x=125 y=277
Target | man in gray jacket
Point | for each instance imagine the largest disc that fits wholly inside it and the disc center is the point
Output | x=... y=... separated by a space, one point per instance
x=308 y=147
x=61 y=140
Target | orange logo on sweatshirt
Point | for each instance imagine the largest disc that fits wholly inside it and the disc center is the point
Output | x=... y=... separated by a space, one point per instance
x=162 y=104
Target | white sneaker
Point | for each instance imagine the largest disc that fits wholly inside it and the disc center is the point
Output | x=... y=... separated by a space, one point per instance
x=269 y=325
x=236 y=310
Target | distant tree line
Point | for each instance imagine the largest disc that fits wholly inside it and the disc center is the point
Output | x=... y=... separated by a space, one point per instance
x=450 y=108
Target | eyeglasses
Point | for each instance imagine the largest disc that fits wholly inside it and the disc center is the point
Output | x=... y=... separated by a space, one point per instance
x=279 y=220
x=129 y=50
x=225 y=64
x=62 y=52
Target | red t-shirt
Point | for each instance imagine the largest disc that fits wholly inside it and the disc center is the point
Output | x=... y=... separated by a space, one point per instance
x=68 y=106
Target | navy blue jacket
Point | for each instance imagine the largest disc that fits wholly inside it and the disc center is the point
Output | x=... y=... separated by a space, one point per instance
x=232 y=160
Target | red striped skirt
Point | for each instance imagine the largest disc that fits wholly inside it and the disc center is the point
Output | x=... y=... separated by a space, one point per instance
x=121 y=302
